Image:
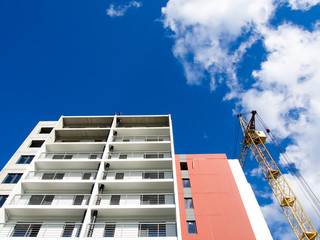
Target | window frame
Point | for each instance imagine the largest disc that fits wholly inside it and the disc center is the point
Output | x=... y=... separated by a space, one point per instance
x=25 y=159
x=15 y=178
x=192 y=230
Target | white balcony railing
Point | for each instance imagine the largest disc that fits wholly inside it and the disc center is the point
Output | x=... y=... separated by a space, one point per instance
x=134 y=230
x=134 y=199
x=139 y=155
x=71 y=155
x=40 y=230
x=62 y=175
x=50 y=199
x=159 y=138
x=137 y=175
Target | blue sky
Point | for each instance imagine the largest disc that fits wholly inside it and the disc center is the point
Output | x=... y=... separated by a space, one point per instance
x=201 y=61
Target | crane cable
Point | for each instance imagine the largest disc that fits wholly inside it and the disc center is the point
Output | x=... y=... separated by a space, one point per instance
x=307 y=191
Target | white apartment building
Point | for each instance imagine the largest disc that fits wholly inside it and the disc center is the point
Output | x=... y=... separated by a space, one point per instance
x=92 y=177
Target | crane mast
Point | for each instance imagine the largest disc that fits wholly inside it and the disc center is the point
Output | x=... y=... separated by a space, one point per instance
x=297 y=217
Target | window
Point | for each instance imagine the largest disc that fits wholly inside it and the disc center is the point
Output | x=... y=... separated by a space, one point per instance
x=115 y=200
x=62 y=156
x=186 y=182
x=52 y=176
x=153 y=175
x=86 y=176
x=25 y=159
x=188 y=203
x=12 y=178
x=45 y=130
x=93 y=156
x=154 y=155
x=192 y=229
x=3 y=199
x=183 y=166
x=68 y=229
x=126 y=140
x=36 y=143
x=123 y=156
x=152 y=199
x=109 y=230
x=26 y=230
x=41 y=200
x=152 y=230
x=119 y=175
x=78 y=199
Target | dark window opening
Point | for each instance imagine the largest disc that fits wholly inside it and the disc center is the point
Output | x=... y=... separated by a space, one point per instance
x=183 y=166
x=115 y=200
x=3 y=199
x=119 y=175
x=57 y=156
x=12 y=178
x=86 y=176
x=78 y=200
x=123 y=156
x=154 y=155
x=153 y=175
x=192 y=229
x=51 y=176
x=26 y=230
x=93 y=156
x=41 y=200
x=25 y=159
x=36 y=143
x=45 y=130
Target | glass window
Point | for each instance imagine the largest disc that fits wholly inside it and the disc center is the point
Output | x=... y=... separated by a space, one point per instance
x=192 y=229
x=3 y=199
x=115 y=200
x=188 y=203
x=152 y=230
x=119 y=175
x=26 y=230
x=48 y=176
x=68 y=229
x=36 y=143
x=68 y=156
x=25 y=159
x=58 y=156
x=86 y=176
x=152 y=199
x=109 y=230
x=12 y=178
x=93 y=156
x=153 y=175
x=78 y=200
x=123 y=156
x=41 y=200
x=186 y=182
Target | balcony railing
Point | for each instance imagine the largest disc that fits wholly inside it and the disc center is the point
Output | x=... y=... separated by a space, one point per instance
x=137 y=175
x=50 y=199
x=71 y=155
x=40 y=230
x=134 y=199
x=159 y=138
x=139 y=155
x=62 y=175
x=134 y=230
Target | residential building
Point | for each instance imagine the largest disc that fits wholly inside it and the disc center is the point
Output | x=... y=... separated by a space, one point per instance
x=118 y=177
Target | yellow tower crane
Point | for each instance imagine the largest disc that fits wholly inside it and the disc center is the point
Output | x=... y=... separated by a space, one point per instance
x=297 y=217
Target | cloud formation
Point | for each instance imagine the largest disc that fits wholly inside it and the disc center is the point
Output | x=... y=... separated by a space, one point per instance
x=120 y=10
x=210 y=39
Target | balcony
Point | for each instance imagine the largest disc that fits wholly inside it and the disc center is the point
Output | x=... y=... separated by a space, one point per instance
x=40 y=230
x=159 y=138
x=61 y=175
x=51 y=199
x=71 y=155
x=133 y=230
x=139 y=155
x=137 y=175
x=142 y=121
x=87 y=122
x=81 y=135
x=134 y=199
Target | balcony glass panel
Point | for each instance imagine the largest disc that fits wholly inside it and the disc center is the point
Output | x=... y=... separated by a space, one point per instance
x=133 y=230
x=69 y=156
x=156 y=138
x=139 y=155
x=56 y=200
x=61 y=175
x=40 y=230
x=134 y=199
x=137 y=175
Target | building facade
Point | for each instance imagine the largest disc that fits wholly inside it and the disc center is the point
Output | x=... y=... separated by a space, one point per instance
x=118 y=177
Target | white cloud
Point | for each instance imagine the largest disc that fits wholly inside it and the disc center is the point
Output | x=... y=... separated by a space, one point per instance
x=286 y=88
x=204 y=30
x=302 y=4
x=120 y=10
